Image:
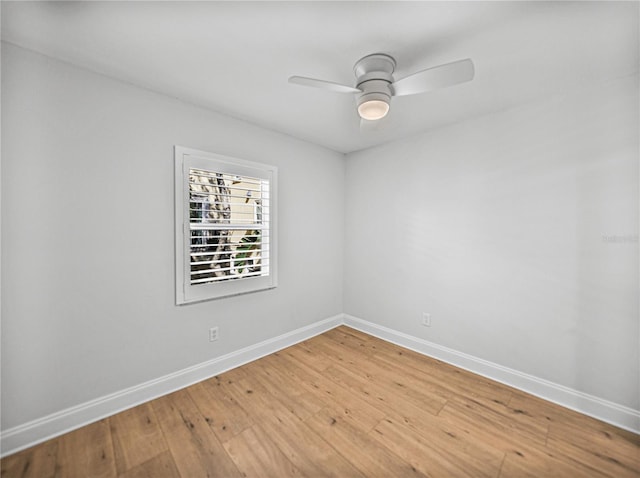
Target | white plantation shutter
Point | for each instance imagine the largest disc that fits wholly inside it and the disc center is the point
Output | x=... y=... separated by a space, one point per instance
x=229 y=226
x=224 y=226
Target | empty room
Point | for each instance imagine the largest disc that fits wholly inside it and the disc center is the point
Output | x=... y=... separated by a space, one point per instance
x=348 y=239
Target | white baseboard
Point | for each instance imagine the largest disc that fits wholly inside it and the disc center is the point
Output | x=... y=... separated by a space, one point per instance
x=618 y=415
x=42 y=429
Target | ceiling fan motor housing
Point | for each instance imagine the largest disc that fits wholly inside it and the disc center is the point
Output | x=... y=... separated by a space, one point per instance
x=374 y=75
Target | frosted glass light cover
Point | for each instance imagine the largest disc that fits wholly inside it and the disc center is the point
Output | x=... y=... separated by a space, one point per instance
x=373 y=109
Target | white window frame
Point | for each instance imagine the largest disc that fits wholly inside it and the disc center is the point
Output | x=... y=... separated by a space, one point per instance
x=186 y=158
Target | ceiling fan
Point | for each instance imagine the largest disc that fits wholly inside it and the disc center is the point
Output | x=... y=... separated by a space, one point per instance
x=375 y=84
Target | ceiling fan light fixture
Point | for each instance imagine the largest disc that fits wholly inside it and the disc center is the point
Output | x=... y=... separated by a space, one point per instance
x=373 y=110
x=373 y=106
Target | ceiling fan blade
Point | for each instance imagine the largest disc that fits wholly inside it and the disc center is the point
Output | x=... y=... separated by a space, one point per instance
x=433 y=78
x=325 y=85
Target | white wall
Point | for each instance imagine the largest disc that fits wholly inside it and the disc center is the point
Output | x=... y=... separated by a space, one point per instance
x=495 y=226
x=87 y=237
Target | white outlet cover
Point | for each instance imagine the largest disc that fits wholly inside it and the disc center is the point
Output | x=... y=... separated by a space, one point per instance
x=213 y=334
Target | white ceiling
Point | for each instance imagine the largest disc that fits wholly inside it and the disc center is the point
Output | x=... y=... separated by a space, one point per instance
x=235 y=57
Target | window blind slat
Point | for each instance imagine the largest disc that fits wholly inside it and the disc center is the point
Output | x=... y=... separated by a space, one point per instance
x=226 y=177
x=209 y=193
x=200 y=252
x=237 y=259
x=235 y=213
x=223 y=269
x=257 y=189
x=221 y=278
x=194 y=226
x=196 y=262
x=204 y=234
x=197 y=241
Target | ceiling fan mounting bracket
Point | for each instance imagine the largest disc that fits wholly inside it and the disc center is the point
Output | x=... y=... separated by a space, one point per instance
x=374 y=67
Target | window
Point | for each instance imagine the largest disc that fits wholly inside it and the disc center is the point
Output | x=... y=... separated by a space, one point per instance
x=225 y=226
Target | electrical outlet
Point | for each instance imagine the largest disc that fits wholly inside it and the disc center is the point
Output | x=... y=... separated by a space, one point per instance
x=426 y=319
x=213 y=334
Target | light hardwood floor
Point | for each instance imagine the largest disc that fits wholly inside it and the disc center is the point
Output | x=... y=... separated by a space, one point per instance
x=342 y=404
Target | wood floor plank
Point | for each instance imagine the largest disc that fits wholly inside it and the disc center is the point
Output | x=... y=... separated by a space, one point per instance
x=193 y=445
x=604 y=452
x=223 y=414
x=555 y=414
x=256 y=455
x=385 y=400
x=386 y=383
x=299 y=401
x=136 y=437
x=512 y=422
x=316 y=361
x=87 y=451
x=495 y=396
x=36 y=462
x=368 y=455
x=431 y=458
x=308 y=452
x=160 y=466
x=589 y=439
x=421 y=386
x=430 y=365
x=411 y=383
x=343 y=336
x=333 y=351
x=533 y=462
x=452 y=378
x=353 y=408
x=490 y=428
x=366 y=339
x=429 y=426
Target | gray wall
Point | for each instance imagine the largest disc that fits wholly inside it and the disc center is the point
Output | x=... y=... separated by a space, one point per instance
x=87 y=237
x=495 y=226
